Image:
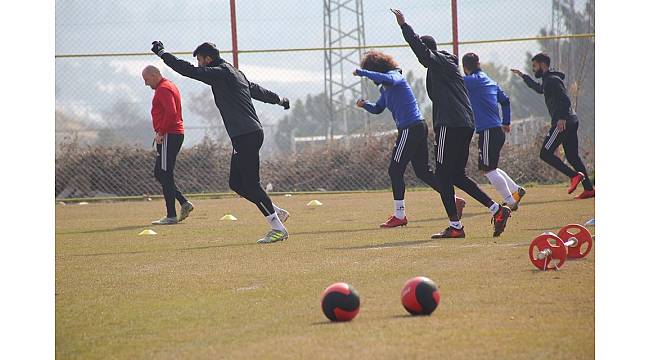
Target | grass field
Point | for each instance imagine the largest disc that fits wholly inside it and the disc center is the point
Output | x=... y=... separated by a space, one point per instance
x=203 y=289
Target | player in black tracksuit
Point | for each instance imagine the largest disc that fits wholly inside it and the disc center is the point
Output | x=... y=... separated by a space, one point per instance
x=233 y=95
x=453 y=123
x=564 y=124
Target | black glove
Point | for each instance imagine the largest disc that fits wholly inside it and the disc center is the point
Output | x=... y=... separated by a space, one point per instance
x=285 y=103
x=158 y=48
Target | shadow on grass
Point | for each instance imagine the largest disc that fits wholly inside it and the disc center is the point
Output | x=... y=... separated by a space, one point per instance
x=115 y=253
x=166 y=250
x=97 y=231
x=465 y=216
x=405 y=316
x=390 y=244
x=338 y=231
x=550 y=228
x=216 y=246
x=524 y=202
x=327 y=322
x=344 y=231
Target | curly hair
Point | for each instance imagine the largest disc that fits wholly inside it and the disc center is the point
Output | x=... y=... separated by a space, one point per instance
x=378 y=61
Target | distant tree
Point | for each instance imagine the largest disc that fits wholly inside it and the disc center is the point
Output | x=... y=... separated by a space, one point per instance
x=202 y=104
x=575 y=57
x=125 y=124
x=69 y=128
x=524 y=102
x=310 y=117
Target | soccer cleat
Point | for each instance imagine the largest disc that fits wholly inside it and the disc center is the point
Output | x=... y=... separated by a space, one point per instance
x=273 y=236
x=575 y=181
x=460 y=205
x=500 y=219
x=186 y=209
x=586 y=194
x=283 y=215
x=518 y=195
x=165 y=221
x=450 y=233
x=394 y=222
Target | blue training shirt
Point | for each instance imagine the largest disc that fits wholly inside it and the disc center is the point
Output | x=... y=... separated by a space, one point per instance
x=485 y=94
x=396 y=95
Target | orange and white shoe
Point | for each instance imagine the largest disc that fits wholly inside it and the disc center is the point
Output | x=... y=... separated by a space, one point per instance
x=394 y=222
x=586 y=194
x=575 y=181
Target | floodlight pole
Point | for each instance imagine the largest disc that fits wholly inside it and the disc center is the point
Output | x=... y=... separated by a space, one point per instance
x=344 y=42
x=233 y=30
x=454 y=25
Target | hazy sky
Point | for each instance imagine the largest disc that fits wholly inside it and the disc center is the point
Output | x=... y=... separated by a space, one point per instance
x=87 y=86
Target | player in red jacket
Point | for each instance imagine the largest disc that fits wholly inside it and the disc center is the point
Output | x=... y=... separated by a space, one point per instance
x=167 y=117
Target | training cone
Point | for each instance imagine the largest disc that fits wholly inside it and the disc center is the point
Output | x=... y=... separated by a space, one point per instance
x=228 y=217
x=591 y=222
x=148 y=232
x=314 y=203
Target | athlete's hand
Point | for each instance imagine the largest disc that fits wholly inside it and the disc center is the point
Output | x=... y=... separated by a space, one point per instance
x=561 y=125
x=159 y=139
x=355 y=72
x=157 y=48
x=399 y=16
x=506 y=128
x=361 y=103
x=517 y=72
x=285 y=103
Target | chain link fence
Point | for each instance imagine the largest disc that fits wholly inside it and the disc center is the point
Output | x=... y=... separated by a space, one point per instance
x=103 y=126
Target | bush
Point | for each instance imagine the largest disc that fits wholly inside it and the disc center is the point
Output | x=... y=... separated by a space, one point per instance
x=363 y=165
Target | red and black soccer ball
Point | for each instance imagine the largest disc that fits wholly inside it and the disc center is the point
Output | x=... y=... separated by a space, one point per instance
x=420 y=296
x=340 y=302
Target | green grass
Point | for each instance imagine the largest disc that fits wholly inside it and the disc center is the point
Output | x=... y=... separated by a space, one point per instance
x=204 y=289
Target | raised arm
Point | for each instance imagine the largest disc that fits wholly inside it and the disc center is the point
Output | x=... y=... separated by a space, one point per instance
x=261 y=94
x=503 y=99
x=425 y=56
x=529 y=81
x=539 y=88
x=378 y=77
x=208 y=75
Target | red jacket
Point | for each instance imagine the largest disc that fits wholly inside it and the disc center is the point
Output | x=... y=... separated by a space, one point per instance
x=166 y=110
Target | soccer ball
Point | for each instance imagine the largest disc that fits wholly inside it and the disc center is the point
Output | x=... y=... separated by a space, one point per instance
x=420 y=296
x=340 y=302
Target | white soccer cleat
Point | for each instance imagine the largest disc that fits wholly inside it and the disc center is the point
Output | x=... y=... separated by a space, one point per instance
x=283 y=215
x=186 y=209
x=165 y=221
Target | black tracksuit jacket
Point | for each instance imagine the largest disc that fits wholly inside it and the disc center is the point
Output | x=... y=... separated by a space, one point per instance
x=232 y=92
x=555 y=95
x=445 y=84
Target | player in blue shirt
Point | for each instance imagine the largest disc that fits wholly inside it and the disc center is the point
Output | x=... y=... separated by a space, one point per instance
x=412 y=132
x=486 y=96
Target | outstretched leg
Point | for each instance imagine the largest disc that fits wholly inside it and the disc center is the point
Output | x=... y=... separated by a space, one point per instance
x=246 y=181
